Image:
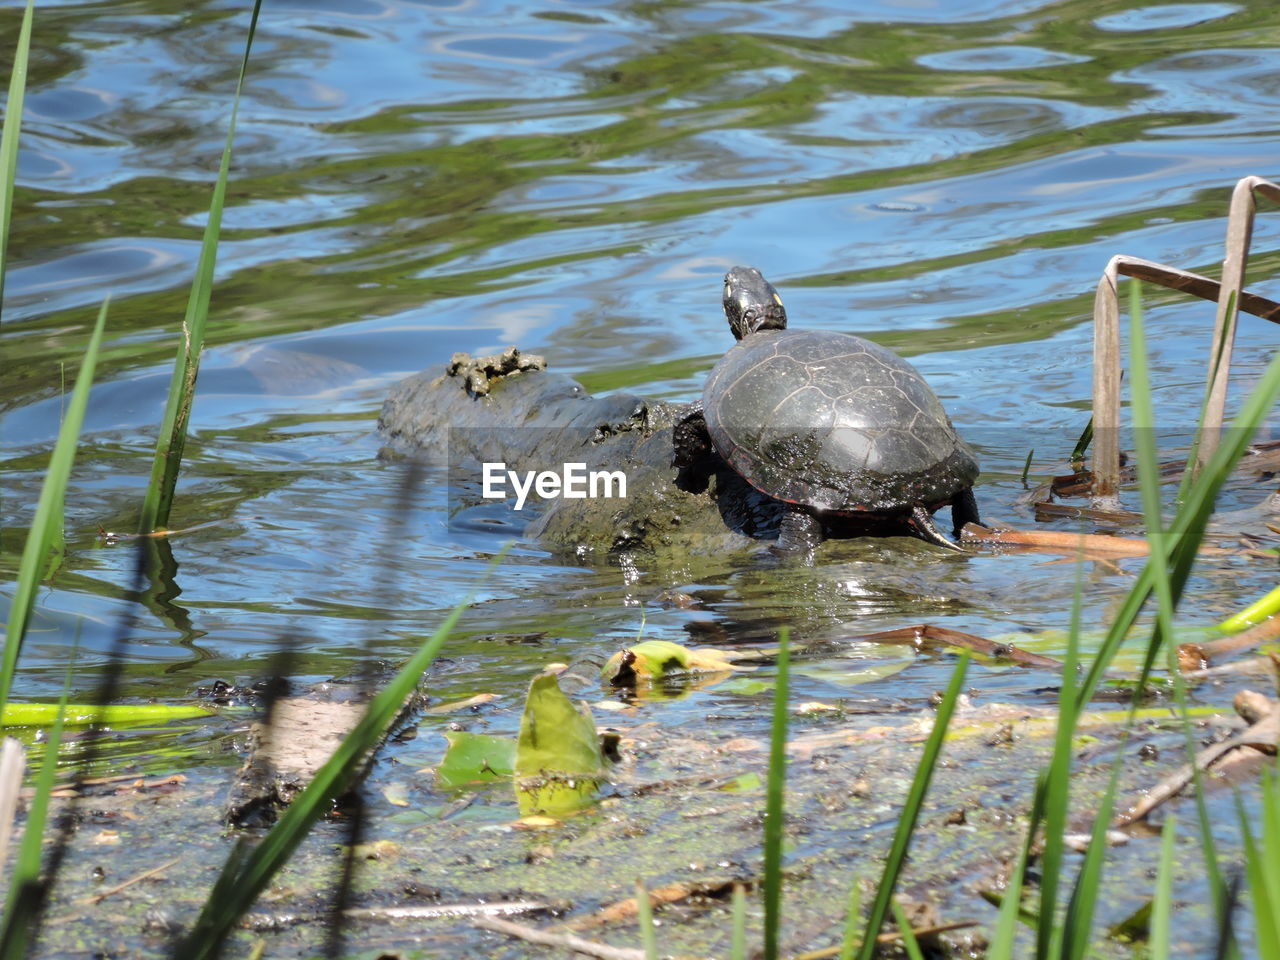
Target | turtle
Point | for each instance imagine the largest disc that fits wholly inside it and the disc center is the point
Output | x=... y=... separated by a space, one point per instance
x=828 y=423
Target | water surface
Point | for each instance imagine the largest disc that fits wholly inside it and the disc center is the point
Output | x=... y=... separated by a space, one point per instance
x=415 y=179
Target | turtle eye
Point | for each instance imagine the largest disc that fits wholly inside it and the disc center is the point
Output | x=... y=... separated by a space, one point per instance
x=728 y=291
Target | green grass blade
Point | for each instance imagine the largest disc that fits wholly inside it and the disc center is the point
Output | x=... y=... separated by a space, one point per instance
x=911 y=810
x=1188 y=528
x=1054 y=794
x=1006 y=929
x=644 y=918
x=9 y=133
x=775 y=805
x=1187 y=531
x=247 y=873
x=852 y=921
x=1162 y=901
x=1077 y=924
x=25 y=894
x=1034 y=819
x=1214 y=879
x=1262 y=866
x=46 y=525
x=1261 y=609
x=177 y=413
x=909 y=943
x=1271 y=844
x=1082 y=444
x=738 y=943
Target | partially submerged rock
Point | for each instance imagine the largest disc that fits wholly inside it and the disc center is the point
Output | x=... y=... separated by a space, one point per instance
x=529 y=419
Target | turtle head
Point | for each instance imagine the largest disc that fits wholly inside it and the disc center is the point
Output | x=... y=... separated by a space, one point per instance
x=751 y=303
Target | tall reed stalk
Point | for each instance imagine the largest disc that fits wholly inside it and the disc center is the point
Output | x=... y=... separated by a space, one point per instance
x=9 y=133
x=172 y=439
x=46 y=526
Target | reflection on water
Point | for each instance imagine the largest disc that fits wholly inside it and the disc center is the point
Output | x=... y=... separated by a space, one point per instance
x=998 y=58
x=414 y=179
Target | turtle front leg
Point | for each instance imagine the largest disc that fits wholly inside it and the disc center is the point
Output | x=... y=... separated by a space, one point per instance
x=922 y=526
x=692 y=453
x=964 y=509
x=691 y=444
x=799 y=532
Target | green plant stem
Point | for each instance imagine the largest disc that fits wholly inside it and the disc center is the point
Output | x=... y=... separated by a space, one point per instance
x=1162 y=902
x=10 y=131
x=1255 y=613
x=909 y=943
x=1053 y=791
x=911 y=810
x=775 y=800
x=738 y=942
x=46 y=525
x=644 y=919
x=172 y=438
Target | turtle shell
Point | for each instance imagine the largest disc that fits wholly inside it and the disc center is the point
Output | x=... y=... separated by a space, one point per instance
x=834 y=422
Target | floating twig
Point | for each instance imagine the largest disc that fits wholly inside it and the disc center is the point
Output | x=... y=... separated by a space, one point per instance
x=1197 y=656
x=107 y=536
x=921 y=632
x=136 y=878
x=888 y=937
x=1046 y=509
x=1252 y=667
x=1088 y=545
x=1262 y=734
x=430 y=911
x=567 y=941
x=626 y=911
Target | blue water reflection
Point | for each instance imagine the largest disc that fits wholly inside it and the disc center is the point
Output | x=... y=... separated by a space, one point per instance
x=415 y=179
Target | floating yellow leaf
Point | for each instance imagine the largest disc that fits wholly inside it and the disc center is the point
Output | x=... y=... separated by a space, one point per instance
x=654 y=659
x=397 y=794
x=558 y=763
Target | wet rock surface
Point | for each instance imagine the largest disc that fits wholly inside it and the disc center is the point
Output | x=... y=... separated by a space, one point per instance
x=530 y=419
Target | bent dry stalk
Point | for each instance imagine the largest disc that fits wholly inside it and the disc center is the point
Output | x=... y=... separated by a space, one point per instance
x=1229 y=296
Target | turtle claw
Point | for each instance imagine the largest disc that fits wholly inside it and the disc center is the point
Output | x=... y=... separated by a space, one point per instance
x=799 y=533
x=923 y=526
